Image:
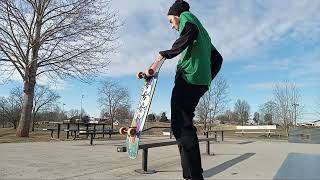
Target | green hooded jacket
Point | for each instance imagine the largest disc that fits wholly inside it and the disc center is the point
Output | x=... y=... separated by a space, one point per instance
x=194 y=63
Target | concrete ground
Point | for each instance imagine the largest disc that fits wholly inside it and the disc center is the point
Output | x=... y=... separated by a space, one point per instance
x=232 y=159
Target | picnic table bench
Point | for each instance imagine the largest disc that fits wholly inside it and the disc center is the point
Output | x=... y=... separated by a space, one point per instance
x=267 y=129
x=50 y=129
x=68 y=129
x=93 y=133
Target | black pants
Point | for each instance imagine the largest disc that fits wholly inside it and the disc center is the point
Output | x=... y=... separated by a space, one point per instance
x=184 y=100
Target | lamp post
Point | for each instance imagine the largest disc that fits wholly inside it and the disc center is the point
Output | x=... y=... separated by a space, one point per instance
x=81 y=108
x=63 y=104
x=295 y=113
x=209 y=108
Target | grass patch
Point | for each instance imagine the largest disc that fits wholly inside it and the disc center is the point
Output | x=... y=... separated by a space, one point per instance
x=8 y=135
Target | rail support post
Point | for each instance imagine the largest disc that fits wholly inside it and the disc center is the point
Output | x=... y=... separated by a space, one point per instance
x=144 y=169
x=91 y=138
x=207 y=143
x=208 y=147
x=222 y=139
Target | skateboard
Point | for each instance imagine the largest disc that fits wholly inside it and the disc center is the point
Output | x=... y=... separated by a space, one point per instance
x=133 y=132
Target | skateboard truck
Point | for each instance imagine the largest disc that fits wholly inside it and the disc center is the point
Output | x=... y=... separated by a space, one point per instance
x=141 y=75
x=149 y=72
x=131 y=131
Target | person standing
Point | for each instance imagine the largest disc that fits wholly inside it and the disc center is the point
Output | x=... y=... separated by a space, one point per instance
x=198 y=64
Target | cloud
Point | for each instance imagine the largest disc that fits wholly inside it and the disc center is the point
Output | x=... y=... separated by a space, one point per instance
x=264 y=66
x=243 y=27
x=302 y=68
x=238 y=28
x=271 y=85
x=54 y=84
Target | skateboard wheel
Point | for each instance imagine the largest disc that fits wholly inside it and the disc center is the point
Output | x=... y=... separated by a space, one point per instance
x=122 y=130
x=140 y=75
x=150 y=72
x=131 y=131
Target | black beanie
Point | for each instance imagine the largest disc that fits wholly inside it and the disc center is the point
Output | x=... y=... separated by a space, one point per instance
x=178 y=7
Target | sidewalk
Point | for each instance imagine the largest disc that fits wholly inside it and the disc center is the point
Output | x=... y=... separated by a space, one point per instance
x=233 y=159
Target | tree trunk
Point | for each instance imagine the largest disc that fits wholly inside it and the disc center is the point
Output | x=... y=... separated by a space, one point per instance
x=33 y=120
x=287 y=131
x=14 y=125
x=205 y=124
x=25 y=119
x=30 y=80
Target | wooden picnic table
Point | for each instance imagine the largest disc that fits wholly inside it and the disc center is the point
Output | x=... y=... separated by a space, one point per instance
x=59 y=124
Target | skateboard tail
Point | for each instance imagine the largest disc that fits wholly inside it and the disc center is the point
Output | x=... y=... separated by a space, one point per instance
x=133 y=148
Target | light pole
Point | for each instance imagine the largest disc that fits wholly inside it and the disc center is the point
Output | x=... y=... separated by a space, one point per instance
x=63 y=104
x=209 y=107
x=81 y=108
x=295 y=113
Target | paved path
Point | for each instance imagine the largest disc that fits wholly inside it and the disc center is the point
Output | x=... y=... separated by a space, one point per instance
x=233 y=159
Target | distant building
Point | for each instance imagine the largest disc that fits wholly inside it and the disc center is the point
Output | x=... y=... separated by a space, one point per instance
x=310 y=124
x=316 y=123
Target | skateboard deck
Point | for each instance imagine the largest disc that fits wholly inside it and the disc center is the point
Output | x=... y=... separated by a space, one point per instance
x=133 y=133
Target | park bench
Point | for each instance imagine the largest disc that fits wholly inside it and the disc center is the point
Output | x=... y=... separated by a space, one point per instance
x=60 y=125
x=93 y=133
x=215 y=133
x=50 y=129
x=147 y=146
x=57 y=129
x=267 y=129
x=73 y=132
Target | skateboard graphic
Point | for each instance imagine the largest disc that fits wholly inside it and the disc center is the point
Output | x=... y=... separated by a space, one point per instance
x=133 y=132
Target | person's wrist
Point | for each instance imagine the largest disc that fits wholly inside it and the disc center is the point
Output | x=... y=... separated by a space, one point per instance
x=159 y=58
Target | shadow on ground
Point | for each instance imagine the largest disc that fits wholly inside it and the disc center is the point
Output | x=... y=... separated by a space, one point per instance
x=222 y=167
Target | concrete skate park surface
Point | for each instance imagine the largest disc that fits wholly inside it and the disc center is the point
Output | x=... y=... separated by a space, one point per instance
x=232 y=159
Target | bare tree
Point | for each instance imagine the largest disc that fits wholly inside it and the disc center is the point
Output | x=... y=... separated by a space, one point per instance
x=123 y=113
x=74 y=113
x=242 y=108
x=163 y=117
x=219 y=97
x=17 y=95
x=12 y=106
x=151 y=117
x=3 y=120
x=10 y=109
x=256 y=117
x=202 y=109
x=54 y=38
x=287 y=98
x=53 y=114
x=214 y=101
x=112 y=97
x=270 y=109
x=231 y=116
x=228 y=117
x=44 y=100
